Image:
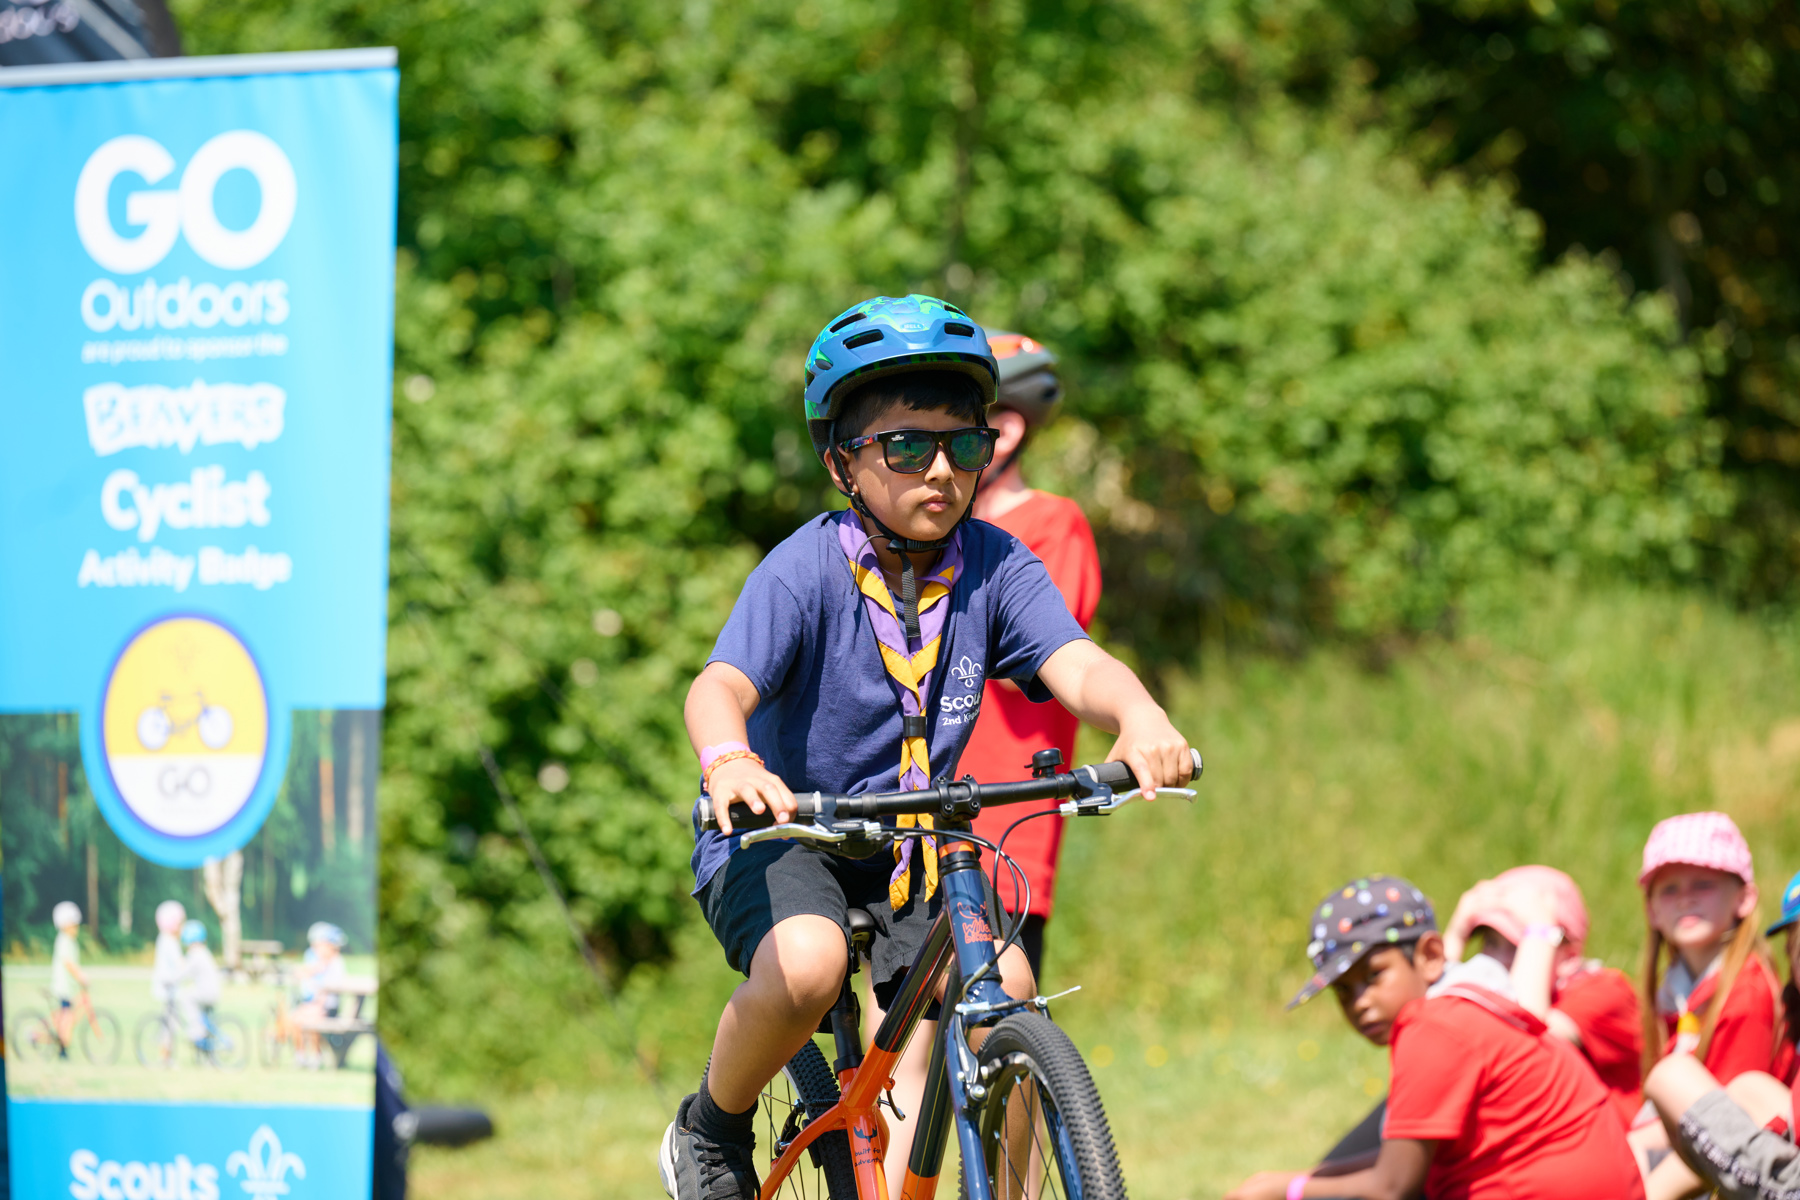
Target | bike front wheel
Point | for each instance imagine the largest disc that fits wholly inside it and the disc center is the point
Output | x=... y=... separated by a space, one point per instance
x=803 y=1091
x=1043 y=1132
x=230 y=1043
x=100 y=1038
x=156 y=1042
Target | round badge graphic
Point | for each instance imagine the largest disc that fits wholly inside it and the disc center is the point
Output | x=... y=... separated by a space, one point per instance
x=185 y=726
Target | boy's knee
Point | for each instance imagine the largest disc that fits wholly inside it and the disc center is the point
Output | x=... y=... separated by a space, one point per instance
x=1016 y=979
x=806 y=958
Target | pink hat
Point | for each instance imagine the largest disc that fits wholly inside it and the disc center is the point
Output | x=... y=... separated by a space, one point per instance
x=1702 y=839
x=1570 y=909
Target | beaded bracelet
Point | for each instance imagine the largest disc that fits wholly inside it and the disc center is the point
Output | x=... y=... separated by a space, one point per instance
x=728 y=756
x=1296 y=1187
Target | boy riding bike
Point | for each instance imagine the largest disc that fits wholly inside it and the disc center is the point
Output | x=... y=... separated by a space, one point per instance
x=853 y=663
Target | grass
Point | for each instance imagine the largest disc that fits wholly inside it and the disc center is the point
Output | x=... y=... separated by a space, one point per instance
x=1556 y=730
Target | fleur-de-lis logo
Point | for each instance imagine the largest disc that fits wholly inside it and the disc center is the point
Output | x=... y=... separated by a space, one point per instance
x=966 y=672
x=265 y=1167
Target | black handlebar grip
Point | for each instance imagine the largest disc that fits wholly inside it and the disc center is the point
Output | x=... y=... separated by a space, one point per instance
x=1117 y=775
x=742 y=818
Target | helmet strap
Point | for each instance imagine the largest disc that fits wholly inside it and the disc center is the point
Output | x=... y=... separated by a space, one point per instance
x=902 y=546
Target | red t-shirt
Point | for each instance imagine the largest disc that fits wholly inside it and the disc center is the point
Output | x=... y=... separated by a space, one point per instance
x=1514 y=1110
x=1604 y=1006
x=1011 y=728
x=1744 y=1038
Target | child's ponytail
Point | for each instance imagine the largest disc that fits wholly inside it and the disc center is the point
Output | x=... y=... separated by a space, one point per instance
x=1652 y=984
x=1746 y=940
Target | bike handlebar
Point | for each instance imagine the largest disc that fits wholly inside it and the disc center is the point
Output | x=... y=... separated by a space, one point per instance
x=961 y=799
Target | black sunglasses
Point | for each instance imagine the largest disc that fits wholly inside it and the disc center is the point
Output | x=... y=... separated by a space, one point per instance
x=910 y=451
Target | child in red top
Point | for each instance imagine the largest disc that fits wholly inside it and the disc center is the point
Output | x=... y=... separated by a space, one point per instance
x=1739 y=1138
x=1010 y=727
x=1718 y=998
x=1534 y=921
x=1484 y=1101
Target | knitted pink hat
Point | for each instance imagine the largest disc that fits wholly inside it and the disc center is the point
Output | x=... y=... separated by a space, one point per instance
x=1702 y=839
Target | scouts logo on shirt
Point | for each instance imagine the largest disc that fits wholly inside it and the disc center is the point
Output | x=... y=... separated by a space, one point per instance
x=185 y=726
x=966 y=673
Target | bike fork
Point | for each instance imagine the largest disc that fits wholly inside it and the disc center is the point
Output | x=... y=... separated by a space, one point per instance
x=950 y=1077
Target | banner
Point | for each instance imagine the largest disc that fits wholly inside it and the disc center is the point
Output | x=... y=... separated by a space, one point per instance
x=196 y=317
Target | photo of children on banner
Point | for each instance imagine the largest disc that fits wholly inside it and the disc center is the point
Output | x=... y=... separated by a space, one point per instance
x=201 y=983
x=66 y=975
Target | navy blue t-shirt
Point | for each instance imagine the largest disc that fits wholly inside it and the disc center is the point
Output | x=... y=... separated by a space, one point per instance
x=829 y=720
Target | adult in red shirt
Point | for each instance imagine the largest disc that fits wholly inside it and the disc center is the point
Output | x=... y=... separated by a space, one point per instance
x=1010 y=728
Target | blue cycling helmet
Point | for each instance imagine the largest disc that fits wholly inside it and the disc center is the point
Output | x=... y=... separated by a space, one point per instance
x=1790 y=907
x=884 y=336
x=193 y=931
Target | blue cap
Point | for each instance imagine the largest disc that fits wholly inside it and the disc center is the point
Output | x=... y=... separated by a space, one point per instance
x=1790 y=907
x=193 y=931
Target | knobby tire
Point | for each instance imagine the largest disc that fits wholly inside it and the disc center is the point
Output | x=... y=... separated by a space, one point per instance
x=826 y=1172
x=1028 y=1061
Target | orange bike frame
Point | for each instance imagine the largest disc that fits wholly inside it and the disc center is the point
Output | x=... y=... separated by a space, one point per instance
x=969 y=940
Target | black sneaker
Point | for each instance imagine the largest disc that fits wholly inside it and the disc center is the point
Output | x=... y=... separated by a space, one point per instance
x=697 y=1168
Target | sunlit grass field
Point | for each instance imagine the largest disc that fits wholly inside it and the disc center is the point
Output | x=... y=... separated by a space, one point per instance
x=1554 y=730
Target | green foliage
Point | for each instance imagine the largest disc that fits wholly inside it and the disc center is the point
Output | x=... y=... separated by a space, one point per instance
x=1346 y=397
x=1662 y=136
x=1319 y=394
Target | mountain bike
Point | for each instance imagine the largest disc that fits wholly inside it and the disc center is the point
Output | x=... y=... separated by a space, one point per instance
x=160 y=1037
x=1026 y=1114
x=34 y=1031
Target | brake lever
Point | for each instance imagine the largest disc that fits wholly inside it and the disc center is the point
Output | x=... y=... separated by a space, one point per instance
x=800 y=831
x=1106 y=801
x=1124 y=798
x=795 y=830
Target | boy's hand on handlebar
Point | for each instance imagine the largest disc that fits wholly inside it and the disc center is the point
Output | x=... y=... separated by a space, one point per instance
x=746 y=781
x=1154 y=750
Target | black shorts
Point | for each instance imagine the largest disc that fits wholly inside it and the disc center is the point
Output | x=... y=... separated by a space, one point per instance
x=762 y=885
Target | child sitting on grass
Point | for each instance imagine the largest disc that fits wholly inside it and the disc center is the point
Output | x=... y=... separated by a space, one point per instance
x=1484 y=1102
x=1718 y=998
x=1736 y=1138
x=1534 y=921
x=834 y=673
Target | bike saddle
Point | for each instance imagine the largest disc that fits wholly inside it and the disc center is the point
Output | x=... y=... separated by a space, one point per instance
x=862 y=930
